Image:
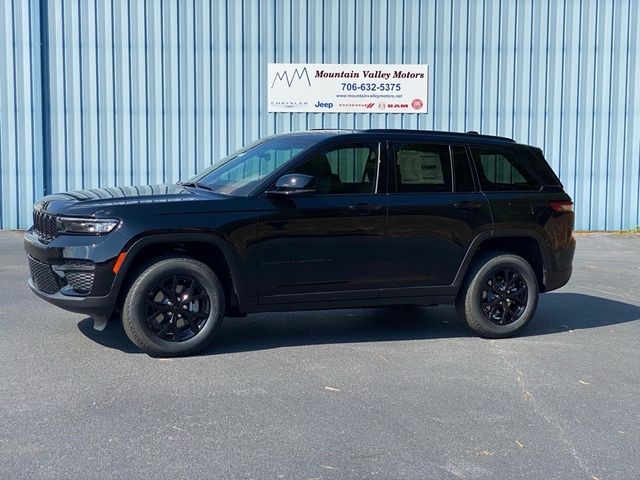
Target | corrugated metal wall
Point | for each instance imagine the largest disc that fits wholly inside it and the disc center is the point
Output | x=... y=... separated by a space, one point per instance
x=151 y=91
x=21 y=141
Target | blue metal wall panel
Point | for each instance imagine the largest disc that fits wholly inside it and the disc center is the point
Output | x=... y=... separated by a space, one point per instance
x=20 y=112
x=150 y=91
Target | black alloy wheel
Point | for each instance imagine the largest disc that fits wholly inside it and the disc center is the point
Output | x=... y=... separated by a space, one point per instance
x=504 y=296
x=177 y=308
x=174 y=307
x=499 y=295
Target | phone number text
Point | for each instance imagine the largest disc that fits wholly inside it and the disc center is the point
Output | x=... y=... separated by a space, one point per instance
x=371 y=87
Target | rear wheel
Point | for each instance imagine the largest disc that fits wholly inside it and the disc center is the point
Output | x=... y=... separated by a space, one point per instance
x=173 y=307
x=499 y=296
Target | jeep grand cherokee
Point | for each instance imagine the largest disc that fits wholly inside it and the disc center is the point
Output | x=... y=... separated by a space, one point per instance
x=312 y=220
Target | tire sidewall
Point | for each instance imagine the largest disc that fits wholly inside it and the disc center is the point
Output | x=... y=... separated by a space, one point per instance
x=135 y=306
x=474 y=296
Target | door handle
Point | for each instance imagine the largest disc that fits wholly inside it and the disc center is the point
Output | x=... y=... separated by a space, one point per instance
x=467 y=205
x=365 y=208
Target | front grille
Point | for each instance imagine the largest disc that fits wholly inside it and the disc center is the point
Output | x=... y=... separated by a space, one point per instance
x=81 y=282
x=43 y=277
x=44 y=225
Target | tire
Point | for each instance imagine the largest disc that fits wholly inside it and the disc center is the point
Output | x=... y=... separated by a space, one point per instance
x=493 y=307
x=174 y=307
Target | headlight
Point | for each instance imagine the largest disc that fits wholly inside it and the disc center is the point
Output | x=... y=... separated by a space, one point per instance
x=87 y=226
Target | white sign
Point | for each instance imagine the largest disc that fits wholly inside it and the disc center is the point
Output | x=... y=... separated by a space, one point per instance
x=342 y=88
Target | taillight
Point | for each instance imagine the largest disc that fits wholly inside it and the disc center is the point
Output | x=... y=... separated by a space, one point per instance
x=564 y=206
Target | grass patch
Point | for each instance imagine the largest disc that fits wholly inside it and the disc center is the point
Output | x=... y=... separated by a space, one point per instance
x=631 y=231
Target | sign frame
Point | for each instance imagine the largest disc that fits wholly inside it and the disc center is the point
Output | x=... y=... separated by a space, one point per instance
x=347 y=88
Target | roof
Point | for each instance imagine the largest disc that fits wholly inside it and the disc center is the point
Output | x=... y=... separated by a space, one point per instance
x=436 y=133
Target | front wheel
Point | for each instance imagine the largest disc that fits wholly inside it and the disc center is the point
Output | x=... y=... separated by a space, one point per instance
x=173 y=307
x=499 y=296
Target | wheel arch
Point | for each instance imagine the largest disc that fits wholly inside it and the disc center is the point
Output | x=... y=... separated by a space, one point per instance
x=207 y=248
x=524 y=243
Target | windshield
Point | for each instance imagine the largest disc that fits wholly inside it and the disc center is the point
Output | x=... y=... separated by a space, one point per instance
x=240 y=172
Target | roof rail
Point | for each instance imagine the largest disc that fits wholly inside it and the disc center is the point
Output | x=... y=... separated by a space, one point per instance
x=438 y=132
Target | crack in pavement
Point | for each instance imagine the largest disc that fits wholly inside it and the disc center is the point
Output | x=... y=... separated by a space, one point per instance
x=497 y=349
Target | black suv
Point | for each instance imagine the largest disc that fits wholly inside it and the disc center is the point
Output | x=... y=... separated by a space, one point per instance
x=313 y=220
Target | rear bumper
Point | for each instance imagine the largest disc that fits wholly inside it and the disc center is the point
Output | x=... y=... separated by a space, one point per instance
x=555 y=280
x=558 y=271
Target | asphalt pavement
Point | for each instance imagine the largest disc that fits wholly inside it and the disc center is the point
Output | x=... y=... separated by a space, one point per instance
x=390 y=393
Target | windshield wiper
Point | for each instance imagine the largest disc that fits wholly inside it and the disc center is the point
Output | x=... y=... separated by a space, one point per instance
x=196 y=185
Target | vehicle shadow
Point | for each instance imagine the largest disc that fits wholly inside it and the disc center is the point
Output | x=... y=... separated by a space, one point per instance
x=560 y=312
x=557 y=312
x=272 y=330
x=112 y=336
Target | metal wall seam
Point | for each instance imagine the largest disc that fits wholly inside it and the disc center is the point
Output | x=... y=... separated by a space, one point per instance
x=151 y=91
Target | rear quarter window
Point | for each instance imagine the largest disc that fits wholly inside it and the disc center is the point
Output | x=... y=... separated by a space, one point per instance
x=541 y=168
x=502 y=170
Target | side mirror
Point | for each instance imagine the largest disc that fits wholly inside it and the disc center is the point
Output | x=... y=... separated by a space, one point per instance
x=293 y=184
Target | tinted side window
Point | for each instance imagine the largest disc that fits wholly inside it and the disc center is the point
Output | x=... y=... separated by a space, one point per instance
x=423 y=168
x=500 y=170
x=463 y=179
x=348 y=169
x=540 y=167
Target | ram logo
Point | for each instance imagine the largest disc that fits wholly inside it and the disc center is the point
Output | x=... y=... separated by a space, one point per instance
x=295 y=75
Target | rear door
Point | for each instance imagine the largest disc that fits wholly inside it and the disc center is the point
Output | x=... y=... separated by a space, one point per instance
x=435 y=212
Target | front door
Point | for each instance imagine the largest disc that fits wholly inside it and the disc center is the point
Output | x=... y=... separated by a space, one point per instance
x=326 y=245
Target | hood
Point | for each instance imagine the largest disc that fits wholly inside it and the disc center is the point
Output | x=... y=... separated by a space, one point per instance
x=88 y=201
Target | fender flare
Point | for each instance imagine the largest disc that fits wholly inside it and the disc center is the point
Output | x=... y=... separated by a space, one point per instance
x=137 y=244
x=502 y=233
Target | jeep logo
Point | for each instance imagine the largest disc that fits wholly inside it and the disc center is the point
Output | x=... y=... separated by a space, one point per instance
x=327 y=105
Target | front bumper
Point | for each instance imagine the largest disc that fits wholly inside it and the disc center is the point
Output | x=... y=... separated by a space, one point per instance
x=75 y=272
x=100 y=308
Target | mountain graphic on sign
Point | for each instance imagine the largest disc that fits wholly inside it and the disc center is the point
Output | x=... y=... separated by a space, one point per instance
x=296 y=75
